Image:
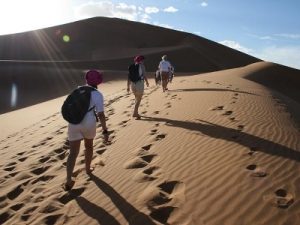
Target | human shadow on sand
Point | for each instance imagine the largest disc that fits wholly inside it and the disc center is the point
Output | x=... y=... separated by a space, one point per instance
x=130 y=213
x=96 y=212
x=233 y=135
x=211 y=89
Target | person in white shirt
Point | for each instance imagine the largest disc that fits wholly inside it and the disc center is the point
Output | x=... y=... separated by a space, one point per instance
x=86 y=129
x=165 y=69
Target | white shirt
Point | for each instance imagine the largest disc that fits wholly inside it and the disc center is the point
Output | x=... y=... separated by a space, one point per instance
x=164 y=66
x=142 y=70
x=97 y=101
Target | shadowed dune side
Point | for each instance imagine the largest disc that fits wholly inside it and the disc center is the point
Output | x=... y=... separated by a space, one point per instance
x=29 y=85
x=283 y=79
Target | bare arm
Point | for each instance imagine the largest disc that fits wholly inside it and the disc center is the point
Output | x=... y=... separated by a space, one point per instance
x=144 y=74
x=146 y=80
x=128 y=85
x=102 y=119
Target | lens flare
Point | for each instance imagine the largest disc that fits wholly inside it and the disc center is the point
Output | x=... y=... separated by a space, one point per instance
x=66 y=38
x=14 y=95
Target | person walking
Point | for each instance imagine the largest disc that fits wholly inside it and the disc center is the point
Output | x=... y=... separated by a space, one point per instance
x=86 y=129
x=136 y=78
x=165 y=69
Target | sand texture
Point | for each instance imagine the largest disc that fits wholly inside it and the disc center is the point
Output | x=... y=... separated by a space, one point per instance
x=219 y=148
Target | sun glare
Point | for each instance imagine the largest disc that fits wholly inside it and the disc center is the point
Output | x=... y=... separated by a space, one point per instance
x=18 y=15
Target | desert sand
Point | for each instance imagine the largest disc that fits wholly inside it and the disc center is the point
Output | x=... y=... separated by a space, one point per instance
x=219 y=148
x=216 y=149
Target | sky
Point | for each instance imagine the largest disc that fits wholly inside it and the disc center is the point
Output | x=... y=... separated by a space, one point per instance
x=267 y=29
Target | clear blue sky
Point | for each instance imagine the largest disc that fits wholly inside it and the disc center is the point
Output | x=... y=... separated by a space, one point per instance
x=268 y=29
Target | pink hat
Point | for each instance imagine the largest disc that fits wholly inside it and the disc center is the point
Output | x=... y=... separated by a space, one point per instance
x=139 y=58
x=93 y=77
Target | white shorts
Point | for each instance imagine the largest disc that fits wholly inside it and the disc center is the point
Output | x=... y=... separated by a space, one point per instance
x=86 y=129
x=138 y=87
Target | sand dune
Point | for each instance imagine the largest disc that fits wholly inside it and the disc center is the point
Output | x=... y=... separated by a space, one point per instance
x=40 y=60
x=216 y=149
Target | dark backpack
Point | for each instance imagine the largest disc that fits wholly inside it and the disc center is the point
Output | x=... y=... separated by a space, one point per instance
x=134 y=75
x=77 y=104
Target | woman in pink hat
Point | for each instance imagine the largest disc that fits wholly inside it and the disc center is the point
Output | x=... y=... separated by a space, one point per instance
x=86 y=129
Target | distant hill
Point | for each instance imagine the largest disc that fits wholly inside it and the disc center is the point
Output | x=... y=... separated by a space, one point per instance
x=39 y=65
x=111 y=43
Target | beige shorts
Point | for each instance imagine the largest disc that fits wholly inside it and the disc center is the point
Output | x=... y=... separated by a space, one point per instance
x=86 y=129
x=138 y=87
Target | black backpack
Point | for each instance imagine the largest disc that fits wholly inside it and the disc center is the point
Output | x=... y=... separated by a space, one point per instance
x=134 y=75
x=77 y=104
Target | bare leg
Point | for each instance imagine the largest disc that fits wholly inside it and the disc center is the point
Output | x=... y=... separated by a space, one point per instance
x=138 y=99
x=88 y=143
x=164 y=77
x=164 y=85
x=74 y=150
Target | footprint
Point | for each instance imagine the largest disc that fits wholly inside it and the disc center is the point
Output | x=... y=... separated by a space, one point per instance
x=28 y=213
x=147 y=147
x=169 y=186
x=240 y=127
x=52 y=219
x=158 y=199
x=227 y=113
x=160 y=137
x=101 y=151
x=142 y=177
x=283 y=198
x=168 y=105
x=135 y=163
x=154 y=131
x=4 y=216
x=20 y=153
x=148 y=158
x=151 y=170
x=252 y=151
x=218 y=108
x=156 y=112
x=173 y=97
x=40 y=170
x=43 y=179
x=9 y=168
x=15 y=192
x=257 y=171
x=17 y=207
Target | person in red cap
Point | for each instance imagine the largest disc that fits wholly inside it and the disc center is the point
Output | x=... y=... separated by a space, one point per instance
x=137 y=77
x=86 y=129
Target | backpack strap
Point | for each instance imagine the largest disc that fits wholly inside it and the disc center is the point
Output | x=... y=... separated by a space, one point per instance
x=89 y=88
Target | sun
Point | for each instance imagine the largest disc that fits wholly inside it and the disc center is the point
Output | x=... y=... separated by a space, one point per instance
x=19 y=15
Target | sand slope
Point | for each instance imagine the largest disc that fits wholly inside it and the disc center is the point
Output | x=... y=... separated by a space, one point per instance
x=216 y=149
